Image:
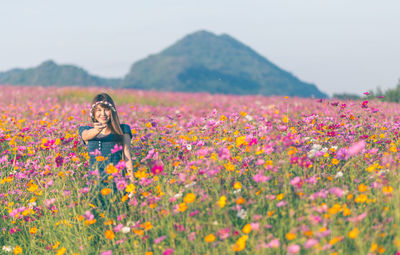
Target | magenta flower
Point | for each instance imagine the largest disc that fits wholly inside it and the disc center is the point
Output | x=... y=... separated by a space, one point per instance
x=168 y=251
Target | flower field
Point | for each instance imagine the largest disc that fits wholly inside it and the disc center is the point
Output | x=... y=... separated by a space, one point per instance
x=214 y=174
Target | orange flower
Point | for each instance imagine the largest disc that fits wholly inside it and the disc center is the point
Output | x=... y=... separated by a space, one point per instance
x=240 y=200
x=189 y=198
x=33 y=230
x=387 y=190
x=17 y=250
x=111 y=169
x=105 y=191
x=110 y=234
x=210 y=238
x=290 y=236
x=182 y=207
x=362 y=187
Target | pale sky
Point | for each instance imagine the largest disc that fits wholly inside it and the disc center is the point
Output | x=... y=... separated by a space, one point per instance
x=339 y=45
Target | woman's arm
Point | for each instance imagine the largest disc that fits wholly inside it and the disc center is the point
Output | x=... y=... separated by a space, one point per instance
x=93 y=132
x=127 y=155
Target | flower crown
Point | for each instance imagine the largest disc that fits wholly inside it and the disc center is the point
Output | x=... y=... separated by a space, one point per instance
x=101 y=102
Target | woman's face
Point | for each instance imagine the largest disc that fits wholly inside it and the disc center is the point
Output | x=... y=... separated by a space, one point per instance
x=102 y=114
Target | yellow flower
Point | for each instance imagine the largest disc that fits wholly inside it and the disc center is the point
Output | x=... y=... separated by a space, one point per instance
x=17 y=250
x=33 y=188
x=240 y=140
x=354 y=233
x=290 y=236
x=240 y=243
x=222 y=201
x=130 y=188
x=285 y=119
x=33 y=230
x=189 y=198
x=55 y=246
x=335 y=161
x=246 y=229
x=109 y=234
x=280 y=197
x=210 y=238
x=237 y=185
x=61 y=251
x=105 y=191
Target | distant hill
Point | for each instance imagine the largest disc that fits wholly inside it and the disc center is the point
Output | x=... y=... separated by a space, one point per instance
x=205 y=62
x=50 y=74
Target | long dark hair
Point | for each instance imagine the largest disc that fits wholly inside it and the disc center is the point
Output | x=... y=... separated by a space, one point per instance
x=115 y=124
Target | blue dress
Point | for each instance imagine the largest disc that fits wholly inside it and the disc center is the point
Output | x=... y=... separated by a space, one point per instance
x=104 y=145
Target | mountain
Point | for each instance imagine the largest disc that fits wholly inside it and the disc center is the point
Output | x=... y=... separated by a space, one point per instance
x=205 y=62
x=49 y=74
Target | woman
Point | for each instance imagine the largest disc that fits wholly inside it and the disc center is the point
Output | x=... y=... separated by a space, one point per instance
x=108 y=141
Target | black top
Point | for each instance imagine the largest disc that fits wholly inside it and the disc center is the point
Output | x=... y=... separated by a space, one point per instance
x=104 y=145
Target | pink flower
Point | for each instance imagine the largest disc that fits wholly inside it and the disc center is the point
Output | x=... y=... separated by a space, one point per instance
x=106 y=252
x=310 y=243
x=296 y=181
x=295 y=248
x=168 y=251
x=274 y=243
x=355 y=148
x=224 y=233
x=337 y=191
x=159 y=239
x=118 y=227
x=116 y=148
x=261 y=178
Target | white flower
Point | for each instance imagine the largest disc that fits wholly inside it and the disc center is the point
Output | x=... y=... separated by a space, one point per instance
x=215 y=223
x=311 y=153
x=241 y=214
x=237 y=191
x=190 y=185
x=249 y=118
x=178 y=195
x=189 y=147
x=316 y=147
x=324 y=150
x=130 y=195
x=339 y=174
x=32 y=204
x=125 y=230
x=7 y=248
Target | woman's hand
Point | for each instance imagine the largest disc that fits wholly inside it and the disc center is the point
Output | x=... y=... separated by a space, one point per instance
x=99 y=126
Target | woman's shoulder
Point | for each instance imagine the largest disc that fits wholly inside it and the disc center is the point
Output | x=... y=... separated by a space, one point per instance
x=126 y=129
x=125 y=126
